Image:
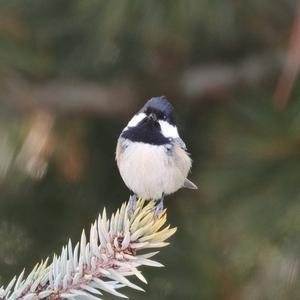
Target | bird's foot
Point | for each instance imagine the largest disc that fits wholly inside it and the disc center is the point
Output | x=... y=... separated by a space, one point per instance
x=132 y=204
x=159 y=208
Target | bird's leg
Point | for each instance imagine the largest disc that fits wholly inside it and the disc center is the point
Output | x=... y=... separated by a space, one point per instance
x=160 y=206
x=132 y=204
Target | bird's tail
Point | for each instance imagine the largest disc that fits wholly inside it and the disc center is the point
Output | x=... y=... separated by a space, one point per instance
x=189 y=185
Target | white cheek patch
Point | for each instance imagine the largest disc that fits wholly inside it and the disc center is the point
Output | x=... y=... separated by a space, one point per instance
x=135 y=120
x=168 y=130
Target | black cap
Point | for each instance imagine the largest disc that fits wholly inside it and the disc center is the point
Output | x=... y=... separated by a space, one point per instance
x=160 y=104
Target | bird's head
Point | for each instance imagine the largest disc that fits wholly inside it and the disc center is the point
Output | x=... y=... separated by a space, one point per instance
x=155 y=118
x=159 y=109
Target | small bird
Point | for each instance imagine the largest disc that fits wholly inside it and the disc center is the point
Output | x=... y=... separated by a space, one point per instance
x=151 y=157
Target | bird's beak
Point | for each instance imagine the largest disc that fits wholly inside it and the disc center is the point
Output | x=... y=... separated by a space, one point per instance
x=152 y=117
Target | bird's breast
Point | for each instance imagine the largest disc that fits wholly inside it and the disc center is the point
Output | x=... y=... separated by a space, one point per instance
x=151 y=170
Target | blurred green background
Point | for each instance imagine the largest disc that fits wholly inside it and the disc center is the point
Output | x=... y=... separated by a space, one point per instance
x=73 y=72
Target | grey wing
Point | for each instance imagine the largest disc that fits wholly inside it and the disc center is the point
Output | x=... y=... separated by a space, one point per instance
x=180 y=142
x=187 y=183
x=173 y=142
x=121 y=146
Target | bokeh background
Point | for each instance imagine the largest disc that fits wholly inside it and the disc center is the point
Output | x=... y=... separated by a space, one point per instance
x=72 y=73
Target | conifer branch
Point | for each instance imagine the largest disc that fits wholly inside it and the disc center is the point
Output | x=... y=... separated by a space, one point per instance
x=103 y=263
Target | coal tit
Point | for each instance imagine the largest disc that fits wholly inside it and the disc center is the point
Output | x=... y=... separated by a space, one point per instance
x=151 y=157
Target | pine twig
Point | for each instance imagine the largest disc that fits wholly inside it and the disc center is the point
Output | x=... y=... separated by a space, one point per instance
x=101 y=264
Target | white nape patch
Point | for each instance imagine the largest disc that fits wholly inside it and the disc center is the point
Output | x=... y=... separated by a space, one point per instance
x=168 y=130
x=135 y=120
